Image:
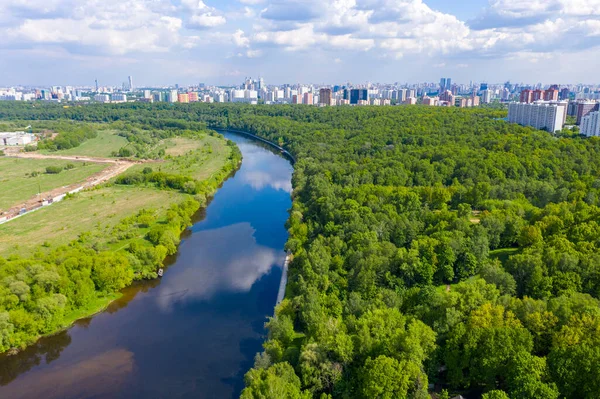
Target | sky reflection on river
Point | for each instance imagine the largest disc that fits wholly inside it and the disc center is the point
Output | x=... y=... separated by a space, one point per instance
x=216 y=268
x=260 y=174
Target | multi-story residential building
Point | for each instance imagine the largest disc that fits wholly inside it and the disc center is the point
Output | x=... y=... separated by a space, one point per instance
x=401 y=95
x=325 y=96
x=549 y=116
x=486 y=96
x=193 y=97
x=590 y=124
x=565 y=93
x=356 y=95
x=102 y=98
x=526 y=96
x=584 y=108
x=551 y=95
x=119 y=98
x=537 y=95
x=308 y=99
x=447 y=96
x=172 y=96
x=183 y=98
x=431 y=101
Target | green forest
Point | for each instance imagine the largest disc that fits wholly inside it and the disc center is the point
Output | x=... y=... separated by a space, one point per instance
x=436 y=251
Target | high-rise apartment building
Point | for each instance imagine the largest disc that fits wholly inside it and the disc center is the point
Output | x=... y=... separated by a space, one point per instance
x=551 y=95
x=447 y=96
x=183 y=98
x=590 y=124
x=130 y=79
x=538 y=95
x=564 y=93
x=308 y=99
x=584 y=108
x=526 y=96
x=401 y=95
x=486 y=96
x=357 y=95
x=193 y=97
x=325 y=96
x=540 y=115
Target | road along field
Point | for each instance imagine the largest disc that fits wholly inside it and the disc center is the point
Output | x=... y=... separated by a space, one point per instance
x=108 y=169
x=22 y=179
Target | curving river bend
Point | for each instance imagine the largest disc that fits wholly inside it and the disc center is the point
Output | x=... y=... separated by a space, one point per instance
x=194 y=333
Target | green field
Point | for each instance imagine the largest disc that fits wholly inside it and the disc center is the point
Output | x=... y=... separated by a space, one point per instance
x=203 y=157
x=17 y=186
x=95 y=211
x=101 y=146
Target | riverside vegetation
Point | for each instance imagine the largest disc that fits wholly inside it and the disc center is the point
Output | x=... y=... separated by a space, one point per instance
x=436 y=250
x=48 y=287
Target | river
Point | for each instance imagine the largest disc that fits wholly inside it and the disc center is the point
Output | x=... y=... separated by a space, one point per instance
x=193 y=333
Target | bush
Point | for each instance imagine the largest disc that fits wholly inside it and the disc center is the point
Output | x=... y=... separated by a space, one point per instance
x=53 y=170
x=69 y=166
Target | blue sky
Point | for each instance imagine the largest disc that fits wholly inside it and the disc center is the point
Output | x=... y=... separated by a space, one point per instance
x=163 y=42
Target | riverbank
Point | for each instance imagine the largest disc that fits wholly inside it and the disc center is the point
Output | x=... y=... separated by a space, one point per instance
x=111 y=258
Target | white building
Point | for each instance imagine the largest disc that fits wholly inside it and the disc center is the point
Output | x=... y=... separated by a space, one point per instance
x=540 y=115
x=119 y=98
x=102 y=98
x=590 y=124
x=15 y=138
x=172 y=96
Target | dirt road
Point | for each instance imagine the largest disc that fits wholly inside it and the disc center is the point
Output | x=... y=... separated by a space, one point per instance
x=117 y=167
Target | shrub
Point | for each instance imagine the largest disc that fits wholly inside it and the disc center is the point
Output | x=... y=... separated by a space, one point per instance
x=53 y=170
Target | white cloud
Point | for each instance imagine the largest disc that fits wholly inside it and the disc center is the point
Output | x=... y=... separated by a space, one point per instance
x=240 y=39
x=206 y=20
x=385 y=29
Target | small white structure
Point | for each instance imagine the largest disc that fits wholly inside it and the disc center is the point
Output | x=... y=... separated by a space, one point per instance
x=15 y=138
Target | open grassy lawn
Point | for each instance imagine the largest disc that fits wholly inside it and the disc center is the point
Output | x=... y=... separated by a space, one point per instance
x=203 y=157
x=102 y=146
x=17 y=186
x=182 y=145
x=95 y=211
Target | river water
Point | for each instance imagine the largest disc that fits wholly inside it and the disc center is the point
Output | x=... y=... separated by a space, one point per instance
x=194 y=333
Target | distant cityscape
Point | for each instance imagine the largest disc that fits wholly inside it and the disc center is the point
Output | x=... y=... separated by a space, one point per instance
x=537 y=105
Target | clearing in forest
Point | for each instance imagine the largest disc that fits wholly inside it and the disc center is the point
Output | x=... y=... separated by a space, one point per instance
x=107 y=142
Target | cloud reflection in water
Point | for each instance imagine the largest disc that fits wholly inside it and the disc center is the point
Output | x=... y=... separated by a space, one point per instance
x=227 y=259
x=259 y=172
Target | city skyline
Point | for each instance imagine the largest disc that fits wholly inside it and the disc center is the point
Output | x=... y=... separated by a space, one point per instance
x=219 y=42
